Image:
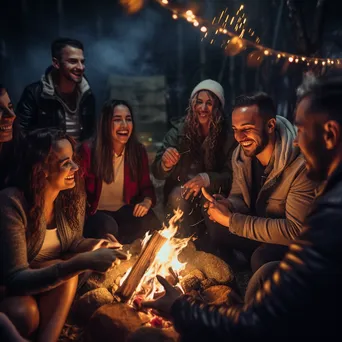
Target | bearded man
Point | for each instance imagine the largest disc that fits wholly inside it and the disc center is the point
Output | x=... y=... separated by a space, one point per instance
x=271 y=194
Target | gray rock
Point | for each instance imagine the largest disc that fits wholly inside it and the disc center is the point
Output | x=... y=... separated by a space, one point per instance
x=87 y=304
x=114 y=322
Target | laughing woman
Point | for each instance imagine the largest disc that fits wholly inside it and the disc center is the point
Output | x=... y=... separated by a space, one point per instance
x=120 y=193
x=41 y=219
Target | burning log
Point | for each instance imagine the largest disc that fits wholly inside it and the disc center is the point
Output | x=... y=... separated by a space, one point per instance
x=144 y=261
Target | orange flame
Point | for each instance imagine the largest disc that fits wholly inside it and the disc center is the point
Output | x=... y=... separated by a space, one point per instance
x=166 y=257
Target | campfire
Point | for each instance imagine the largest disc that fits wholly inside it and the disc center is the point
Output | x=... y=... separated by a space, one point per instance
x=109 y=304
x=159 y=255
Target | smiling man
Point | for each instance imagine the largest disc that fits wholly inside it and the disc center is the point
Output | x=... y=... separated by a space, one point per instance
x=62 y=98
x=271 y=193
x=303 y=298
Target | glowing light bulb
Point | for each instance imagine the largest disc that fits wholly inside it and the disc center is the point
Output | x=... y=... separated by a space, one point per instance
x=195 y=23
x=316 y=61
x=175 y=16
x=296 y=60
x=290 y=59
x=189 y=13
x=266 y=52
x=278 y=55
x=165 y=2
x=204 y=29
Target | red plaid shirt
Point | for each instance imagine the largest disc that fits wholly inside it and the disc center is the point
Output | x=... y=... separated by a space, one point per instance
x=134 y=191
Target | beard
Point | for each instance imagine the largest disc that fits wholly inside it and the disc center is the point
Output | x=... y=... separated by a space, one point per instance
x=264 y=140
x=318 y=166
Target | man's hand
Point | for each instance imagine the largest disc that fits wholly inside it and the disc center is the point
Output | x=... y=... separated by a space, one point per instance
x=170 y=157
x=217 y=212
x=142 y=208
x=163 y=304
x=193 y=186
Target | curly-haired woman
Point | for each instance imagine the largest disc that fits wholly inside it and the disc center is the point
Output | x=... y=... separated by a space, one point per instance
x=196 y=153
x=41 y=219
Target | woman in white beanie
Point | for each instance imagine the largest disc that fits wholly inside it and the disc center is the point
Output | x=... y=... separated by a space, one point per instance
x=196 y=153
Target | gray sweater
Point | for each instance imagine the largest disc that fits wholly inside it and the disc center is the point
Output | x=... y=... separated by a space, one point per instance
x=17 y=250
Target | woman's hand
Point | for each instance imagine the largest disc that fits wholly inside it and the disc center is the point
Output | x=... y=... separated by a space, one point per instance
x=93 y=244
x=142 y=208
x=100 y=260
x=193 y=186
x=170 y=158
x=163 y=304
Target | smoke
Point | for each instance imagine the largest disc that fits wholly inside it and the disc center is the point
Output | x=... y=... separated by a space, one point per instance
x=122 y=46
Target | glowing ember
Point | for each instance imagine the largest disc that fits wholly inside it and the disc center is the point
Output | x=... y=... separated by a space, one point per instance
x=166 y=259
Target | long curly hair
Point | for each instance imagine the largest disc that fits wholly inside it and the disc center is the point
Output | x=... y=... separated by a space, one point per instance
x=103 y=146
x=194 y=140
x=37 y=157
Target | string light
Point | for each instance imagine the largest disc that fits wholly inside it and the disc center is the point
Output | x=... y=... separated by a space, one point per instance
x=235 y=26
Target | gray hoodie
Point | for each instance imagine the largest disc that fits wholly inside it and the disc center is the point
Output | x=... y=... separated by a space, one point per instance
x=283 y=201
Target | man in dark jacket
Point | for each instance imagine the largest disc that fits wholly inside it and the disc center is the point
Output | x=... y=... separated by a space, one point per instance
x=303 y=297
x=62 y=98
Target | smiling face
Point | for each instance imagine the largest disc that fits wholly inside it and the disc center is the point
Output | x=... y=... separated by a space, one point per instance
x=61 y=174
x=71 y=65
x=7 y=117
x=250 y=130
x=122 y=126
x=203 y=107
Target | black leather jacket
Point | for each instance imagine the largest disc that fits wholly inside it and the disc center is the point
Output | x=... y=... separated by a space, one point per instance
x=40 y=107
x=302 y=299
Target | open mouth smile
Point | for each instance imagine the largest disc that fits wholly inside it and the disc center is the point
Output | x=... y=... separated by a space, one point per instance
x=6 y=128
x=246 y=143
x=122 y=133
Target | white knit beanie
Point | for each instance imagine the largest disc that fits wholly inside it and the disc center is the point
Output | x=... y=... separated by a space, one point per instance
x=211 y=85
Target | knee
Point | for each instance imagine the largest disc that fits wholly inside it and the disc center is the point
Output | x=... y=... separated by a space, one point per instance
x=259 y=258
x=100 y=224
x=258 y=279
x=23 y=312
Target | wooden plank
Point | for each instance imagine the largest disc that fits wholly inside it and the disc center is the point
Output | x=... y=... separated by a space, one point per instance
x=144 y=261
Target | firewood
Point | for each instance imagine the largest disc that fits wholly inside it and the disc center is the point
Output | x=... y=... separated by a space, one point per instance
x=145 y=259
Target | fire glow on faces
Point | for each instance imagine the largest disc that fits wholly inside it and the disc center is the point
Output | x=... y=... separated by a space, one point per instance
x=310 y=140
x=61 y=174
x=71 y=66
x=203 y=107
x=250 y=130
x=122 y=125
x=7 y=117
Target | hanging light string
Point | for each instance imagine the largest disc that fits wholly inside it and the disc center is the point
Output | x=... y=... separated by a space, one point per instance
x=234 y=26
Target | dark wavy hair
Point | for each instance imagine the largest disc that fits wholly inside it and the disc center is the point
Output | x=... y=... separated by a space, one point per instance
x=37 y=156
x=103 y=147
x=193 y=138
